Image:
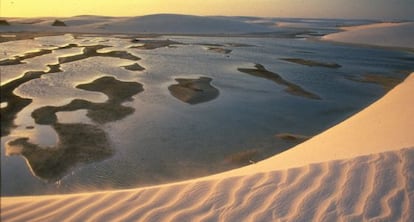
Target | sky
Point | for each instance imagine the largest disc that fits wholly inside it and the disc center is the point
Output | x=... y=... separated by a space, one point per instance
x=370 y=9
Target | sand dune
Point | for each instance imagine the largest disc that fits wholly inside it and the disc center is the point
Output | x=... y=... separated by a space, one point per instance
x=374 y=186
x=149 y=24
x=382 y=34
x=183 y=24
x=363 y=188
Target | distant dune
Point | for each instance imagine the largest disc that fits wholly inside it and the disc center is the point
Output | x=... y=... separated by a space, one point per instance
x=183 y=24
x=158 y=23
x=380 y=34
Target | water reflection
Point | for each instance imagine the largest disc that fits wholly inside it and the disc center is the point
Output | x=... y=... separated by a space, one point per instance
x=78 y=142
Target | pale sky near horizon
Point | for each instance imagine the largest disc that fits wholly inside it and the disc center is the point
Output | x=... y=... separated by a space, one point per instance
x=371 y=9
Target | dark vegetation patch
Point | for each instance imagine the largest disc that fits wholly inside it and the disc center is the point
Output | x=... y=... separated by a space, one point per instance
x=18 y=59
x=4 y=22
x=243 y=158
x=387 y=82
x=312 y=63
x=78 y=143
x=220 y=50
x=28 y=55
x=194 y=91
x=293 y=89
x=292 y=137
x=112 y=110
x=149 y=44
x=58 y=23
x=134 y=67
x=16 y=103
x=91 y=51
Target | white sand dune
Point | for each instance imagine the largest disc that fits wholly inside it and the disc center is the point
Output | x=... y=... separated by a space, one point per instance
x=183 y=24
x=306 y=183
x=153 y=24
x=376 y=186
x=379 y=34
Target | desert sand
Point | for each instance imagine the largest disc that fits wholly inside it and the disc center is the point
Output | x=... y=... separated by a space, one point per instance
x=378 y=34
x=360 y=169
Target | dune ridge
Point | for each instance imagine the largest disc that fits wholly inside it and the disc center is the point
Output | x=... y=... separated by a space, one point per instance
x=400 y=35
x=364 y=179
x=361 y=188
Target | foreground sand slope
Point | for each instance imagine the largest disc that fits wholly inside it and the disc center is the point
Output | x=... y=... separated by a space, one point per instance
x=378 y=185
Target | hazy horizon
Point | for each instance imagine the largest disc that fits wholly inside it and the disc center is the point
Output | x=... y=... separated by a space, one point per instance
x=353 y=9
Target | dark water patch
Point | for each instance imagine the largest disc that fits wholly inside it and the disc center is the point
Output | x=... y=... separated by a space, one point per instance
x=78 y=143
x=293 y=89
x=194 y=91
x=134 y=67
x=312 y=63
x=153 y=44
x=16 y=103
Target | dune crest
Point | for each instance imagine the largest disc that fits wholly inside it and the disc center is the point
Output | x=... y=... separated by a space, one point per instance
x=363 y=188
x=383 y=34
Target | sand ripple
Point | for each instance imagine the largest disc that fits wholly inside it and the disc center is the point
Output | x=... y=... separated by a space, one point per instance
x=375 y=187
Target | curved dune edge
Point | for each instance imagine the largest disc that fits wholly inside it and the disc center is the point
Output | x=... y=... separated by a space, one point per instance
x=394 y=35
x=305 y=183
